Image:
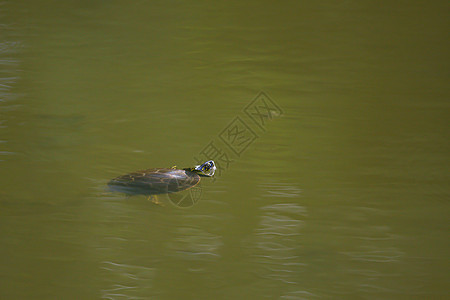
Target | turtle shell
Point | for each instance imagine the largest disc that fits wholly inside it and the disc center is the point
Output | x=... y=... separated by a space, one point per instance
x=154 y=181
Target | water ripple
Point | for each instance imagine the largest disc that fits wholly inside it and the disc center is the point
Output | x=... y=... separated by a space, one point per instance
x=8 y=79
x=280 y=190
x=274 y=246
x=127 y=281
x=195 y=244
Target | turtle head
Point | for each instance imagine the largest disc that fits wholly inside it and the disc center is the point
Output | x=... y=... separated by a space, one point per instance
x=206 y=169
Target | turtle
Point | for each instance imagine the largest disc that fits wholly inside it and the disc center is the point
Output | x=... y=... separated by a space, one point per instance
x=152 y=182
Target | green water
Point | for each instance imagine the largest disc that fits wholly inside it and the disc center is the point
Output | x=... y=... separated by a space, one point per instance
x=341 y=194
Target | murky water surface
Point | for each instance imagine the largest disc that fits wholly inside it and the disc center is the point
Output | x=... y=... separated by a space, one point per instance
x=332 y=184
